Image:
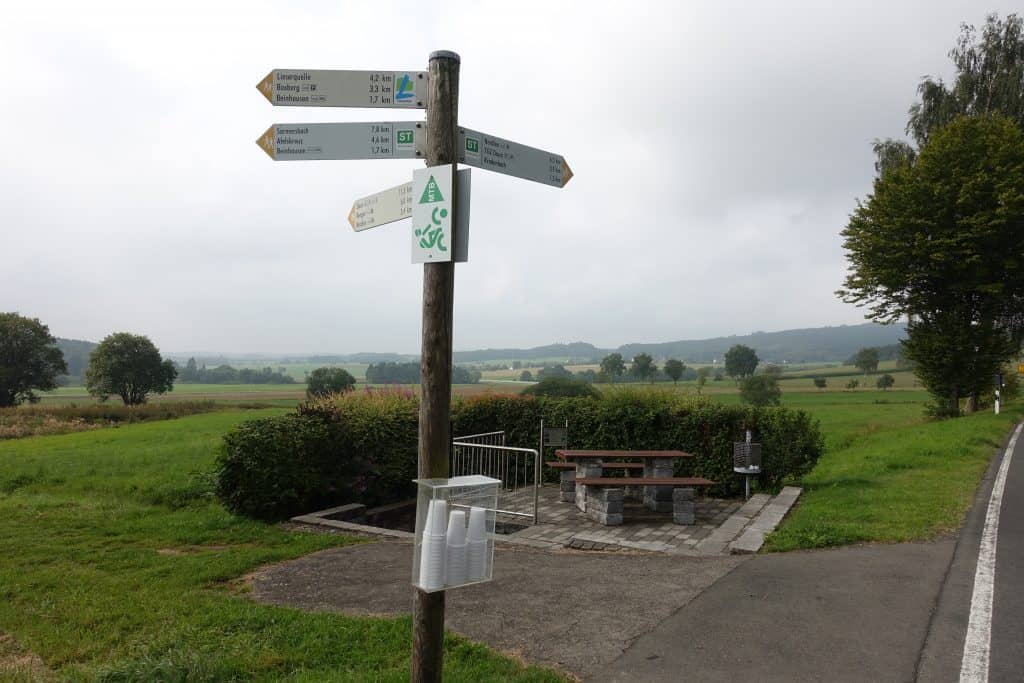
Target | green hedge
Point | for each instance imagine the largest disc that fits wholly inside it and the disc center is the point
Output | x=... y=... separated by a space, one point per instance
x=362 y=447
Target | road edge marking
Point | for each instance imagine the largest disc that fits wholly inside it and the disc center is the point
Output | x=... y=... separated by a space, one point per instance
x=977 y=642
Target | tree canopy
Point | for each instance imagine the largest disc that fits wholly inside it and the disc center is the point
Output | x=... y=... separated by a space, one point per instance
x=613 y=365
x=129 y=366
x=327 y=380
x=740 y=361
x=939 y=240
x=989 y=79
x=29 y=359
x=643 y=367
x=866 y=360
x=674 y=369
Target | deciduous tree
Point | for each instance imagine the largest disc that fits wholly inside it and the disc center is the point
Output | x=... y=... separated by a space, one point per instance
x=674 y=369
x=613 y=365
x=643 y=367
x=939 y=239
x=329 y=380
x=740 y=361
x=129 y=366
x=866 y=361
x=29 y=359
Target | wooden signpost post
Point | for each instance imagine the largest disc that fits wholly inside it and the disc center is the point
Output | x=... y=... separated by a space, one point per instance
x=440 y=207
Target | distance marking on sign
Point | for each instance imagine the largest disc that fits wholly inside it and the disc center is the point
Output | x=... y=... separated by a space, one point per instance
x=333 y=88
x=381 y=208
x=492 y=153
x=370 y=140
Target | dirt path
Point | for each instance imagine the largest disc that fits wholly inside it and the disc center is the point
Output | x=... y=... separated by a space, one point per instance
x=577 y=611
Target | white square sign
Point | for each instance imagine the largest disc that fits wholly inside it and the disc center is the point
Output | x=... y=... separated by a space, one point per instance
x=432 y=214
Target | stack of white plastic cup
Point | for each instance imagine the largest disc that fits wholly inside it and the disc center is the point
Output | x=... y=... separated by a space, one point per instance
x=476 y=552
x=432 y=550
x=455 y=567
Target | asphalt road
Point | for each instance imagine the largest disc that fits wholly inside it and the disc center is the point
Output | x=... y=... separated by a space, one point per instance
x=870 y=613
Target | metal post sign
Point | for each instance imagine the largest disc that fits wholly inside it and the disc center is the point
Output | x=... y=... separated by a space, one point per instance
x=432 y=214
x=371 y=140
x=329 y=88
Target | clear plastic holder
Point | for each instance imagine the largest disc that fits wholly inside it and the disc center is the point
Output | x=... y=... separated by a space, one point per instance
x=454 y=544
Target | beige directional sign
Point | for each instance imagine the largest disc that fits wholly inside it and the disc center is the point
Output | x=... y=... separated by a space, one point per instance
x=331 y=88
x=511 y=158
x=381 y=208
x=370 y=140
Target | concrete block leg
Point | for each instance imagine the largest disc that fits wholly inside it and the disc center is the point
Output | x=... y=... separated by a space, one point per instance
x=586 y=468
x=658 y=498
x=683 y=507
x=567 y=486
x=604 y=505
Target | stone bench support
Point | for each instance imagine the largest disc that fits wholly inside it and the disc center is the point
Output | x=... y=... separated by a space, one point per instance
x=658 y=498
x=567 y=486
x=682 y=507
x=586 y=468
x=604 y=505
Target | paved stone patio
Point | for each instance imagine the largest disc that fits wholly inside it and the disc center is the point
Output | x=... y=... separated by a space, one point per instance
x=563 y=525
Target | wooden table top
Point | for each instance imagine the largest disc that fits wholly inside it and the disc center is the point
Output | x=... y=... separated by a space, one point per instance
x=571 y=454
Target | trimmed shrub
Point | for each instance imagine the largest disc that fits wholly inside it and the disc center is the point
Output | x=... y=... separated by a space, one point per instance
x=362 y=447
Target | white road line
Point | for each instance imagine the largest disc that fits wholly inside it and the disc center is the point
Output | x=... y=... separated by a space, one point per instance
x=974 y=665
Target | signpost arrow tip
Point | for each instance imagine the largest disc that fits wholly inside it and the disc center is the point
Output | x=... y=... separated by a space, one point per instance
x=566 y=172
x=266 y=86
x=266 y=143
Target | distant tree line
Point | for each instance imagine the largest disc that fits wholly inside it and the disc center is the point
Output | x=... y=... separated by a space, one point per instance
x=225 y=374
x=409 y=373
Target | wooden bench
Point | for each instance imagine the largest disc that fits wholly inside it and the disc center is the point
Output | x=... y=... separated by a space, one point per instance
x=559 y=465
x=675 y=482
x=567 y=478
x=604 y=496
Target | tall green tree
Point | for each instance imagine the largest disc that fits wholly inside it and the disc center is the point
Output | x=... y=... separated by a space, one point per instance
x=866 y=361
x=328 y=380
x=674 y=368
x=740 y=361
x=613 y=365
x=940 y=240
x=29 y=359
x=129 y=366
x=989 y=80
x=643 y=367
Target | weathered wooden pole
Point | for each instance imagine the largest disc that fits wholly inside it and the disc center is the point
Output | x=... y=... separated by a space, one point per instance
x=436 y=353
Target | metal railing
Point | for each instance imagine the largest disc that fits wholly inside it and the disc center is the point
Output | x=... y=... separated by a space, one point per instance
x=517 y=468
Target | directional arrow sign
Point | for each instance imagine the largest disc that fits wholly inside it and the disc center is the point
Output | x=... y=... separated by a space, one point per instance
x=322 y=88
x=381 y=208
x=375 y=140
x=504 y=156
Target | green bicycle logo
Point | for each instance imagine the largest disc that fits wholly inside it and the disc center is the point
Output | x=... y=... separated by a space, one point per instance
x=432 y=236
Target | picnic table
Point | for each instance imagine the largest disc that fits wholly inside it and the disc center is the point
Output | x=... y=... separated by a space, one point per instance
x=602 y=496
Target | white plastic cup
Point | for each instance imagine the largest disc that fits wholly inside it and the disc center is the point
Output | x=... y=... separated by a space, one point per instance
x=432 y=547
x=455 y=568
x=476 y=545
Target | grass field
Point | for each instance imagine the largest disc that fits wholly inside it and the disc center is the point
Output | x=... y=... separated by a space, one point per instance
x=116 y=565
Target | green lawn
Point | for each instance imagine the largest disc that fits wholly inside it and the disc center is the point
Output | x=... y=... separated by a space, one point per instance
x=889 y=474
x=115 y=565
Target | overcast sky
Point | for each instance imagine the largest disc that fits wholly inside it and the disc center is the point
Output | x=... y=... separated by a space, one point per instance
x=717 y=147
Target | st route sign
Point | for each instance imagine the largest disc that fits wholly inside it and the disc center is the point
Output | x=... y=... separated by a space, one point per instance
x=370 y=140
x=511 y=158
x=332 y=88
